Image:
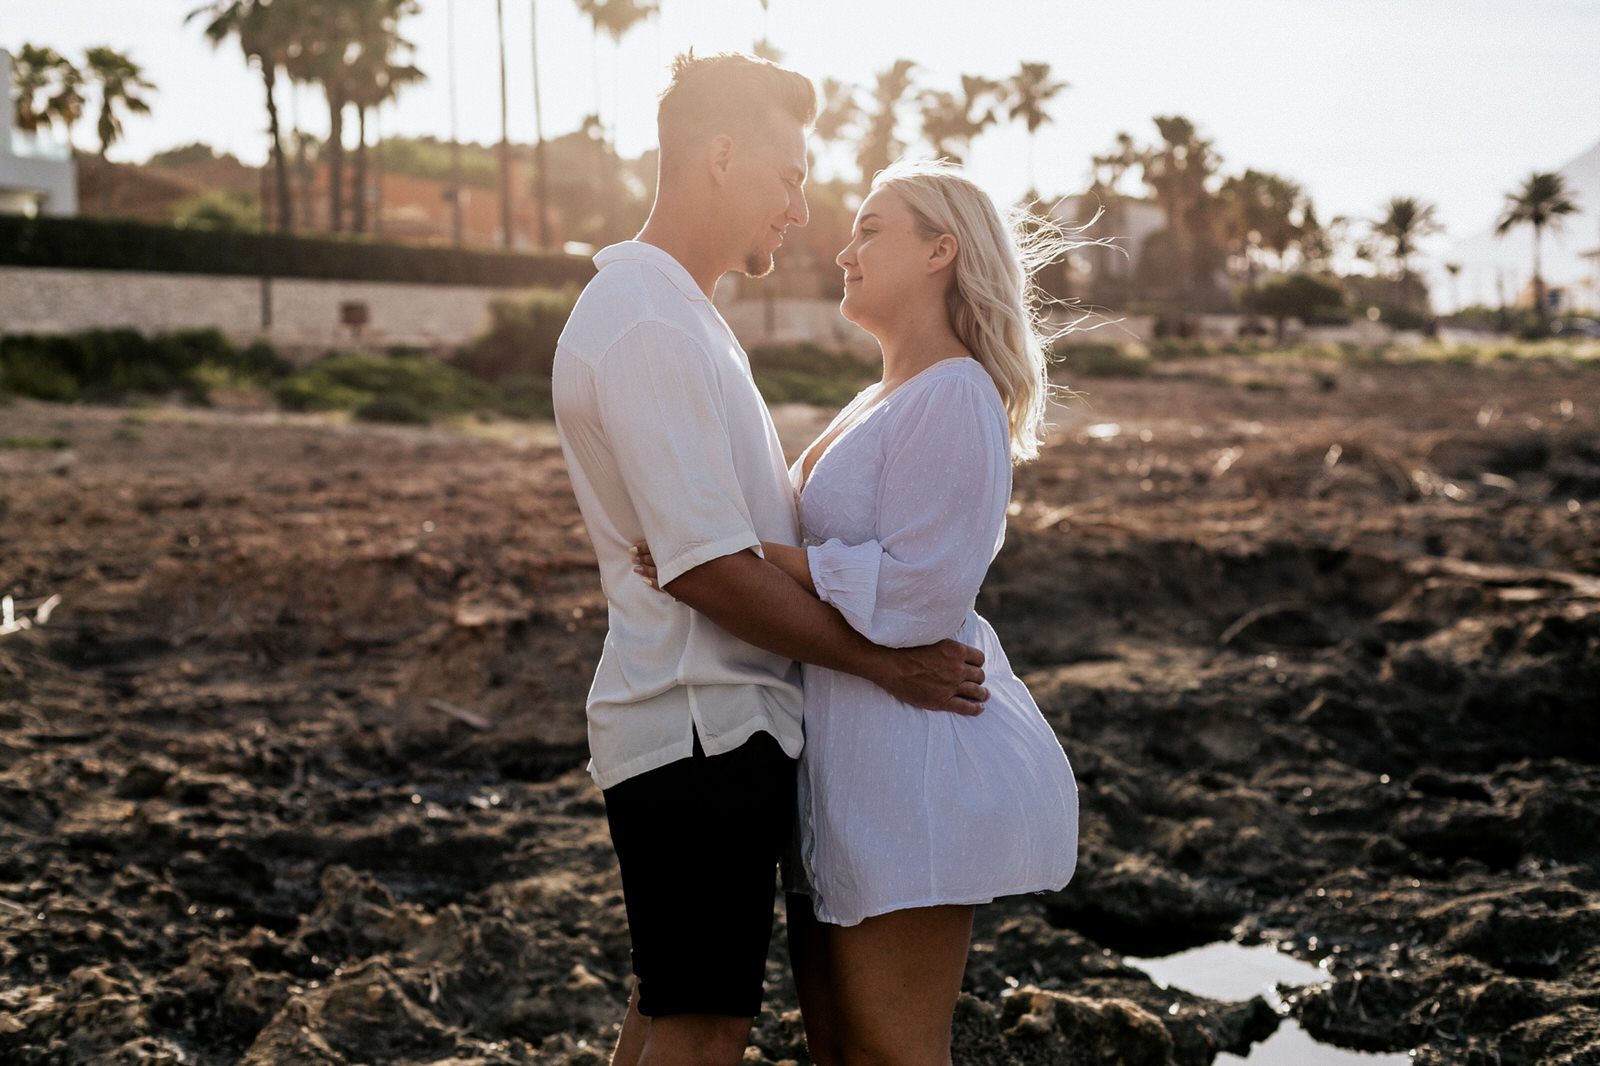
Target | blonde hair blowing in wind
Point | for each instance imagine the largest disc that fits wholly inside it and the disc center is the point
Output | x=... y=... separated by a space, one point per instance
x=995 y=307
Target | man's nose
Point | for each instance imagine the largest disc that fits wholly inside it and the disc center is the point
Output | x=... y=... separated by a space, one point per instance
x=799 y=210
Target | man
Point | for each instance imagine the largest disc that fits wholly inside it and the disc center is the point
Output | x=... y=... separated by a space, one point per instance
x=694 y=714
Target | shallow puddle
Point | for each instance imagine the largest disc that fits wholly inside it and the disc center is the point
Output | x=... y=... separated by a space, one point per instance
x=1233 y=972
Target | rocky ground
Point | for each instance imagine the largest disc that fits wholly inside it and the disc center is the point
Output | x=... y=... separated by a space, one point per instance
x=290 y=755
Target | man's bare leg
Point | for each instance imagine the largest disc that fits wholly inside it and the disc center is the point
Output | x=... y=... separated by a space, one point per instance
x=635 y=1027
x=680 y=1039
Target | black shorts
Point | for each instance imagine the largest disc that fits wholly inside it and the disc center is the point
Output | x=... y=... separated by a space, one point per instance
x=698 y=841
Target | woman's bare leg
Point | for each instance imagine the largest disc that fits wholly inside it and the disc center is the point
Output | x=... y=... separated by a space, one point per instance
x=895 y=980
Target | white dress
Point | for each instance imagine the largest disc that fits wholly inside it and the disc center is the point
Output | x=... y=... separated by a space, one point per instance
x=901 y=807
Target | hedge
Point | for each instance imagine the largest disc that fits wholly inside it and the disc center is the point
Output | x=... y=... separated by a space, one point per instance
x=120 y=244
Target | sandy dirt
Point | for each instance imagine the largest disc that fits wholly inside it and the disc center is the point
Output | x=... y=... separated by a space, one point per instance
x=291 y=772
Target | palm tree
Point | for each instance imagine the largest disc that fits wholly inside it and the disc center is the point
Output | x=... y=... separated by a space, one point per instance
x=505 y=137
x=1454 y=270
x=1110 y=168
x=319 y=55
x=1261 y=212
x=1542 y=201
x=376 y=77
x=879 y=146
x=48 y=87
x=1406 y=220
x=30 y=77
x=120 y=81
x=265 y=30
x=344 y=46
x=1179 y=172
x=949 y=124
x=456 y=221
x=763 y=48
x=66 y=105
x=1030 y=89
x=615 y=18
x=1319 y=244
x=838 y=112
x=542 y=176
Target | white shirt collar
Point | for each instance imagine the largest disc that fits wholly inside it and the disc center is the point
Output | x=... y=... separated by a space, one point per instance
x=659 y=258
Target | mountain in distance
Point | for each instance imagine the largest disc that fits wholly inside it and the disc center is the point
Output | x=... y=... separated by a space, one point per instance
x=1490 y=264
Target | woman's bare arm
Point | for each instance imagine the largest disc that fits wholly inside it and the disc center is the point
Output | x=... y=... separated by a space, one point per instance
x=792 y=561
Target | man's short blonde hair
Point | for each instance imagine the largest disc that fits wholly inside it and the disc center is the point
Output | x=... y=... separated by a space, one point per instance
x=728 y=93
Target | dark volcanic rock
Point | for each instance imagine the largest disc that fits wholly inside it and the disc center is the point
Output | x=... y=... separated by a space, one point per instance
x=293 y=773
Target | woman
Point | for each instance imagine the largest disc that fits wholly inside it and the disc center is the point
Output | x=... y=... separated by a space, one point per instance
x=909 y=818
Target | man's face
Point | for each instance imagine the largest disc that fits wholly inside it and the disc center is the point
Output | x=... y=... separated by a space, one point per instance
x=769 y=178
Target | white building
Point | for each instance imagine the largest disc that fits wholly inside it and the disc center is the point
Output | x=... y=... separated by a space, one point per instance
x=1124 y=225
x=36 y=172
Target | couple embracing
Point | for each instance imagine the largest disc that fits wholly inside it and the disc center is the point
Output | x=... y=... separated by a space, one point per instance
x=903 y=774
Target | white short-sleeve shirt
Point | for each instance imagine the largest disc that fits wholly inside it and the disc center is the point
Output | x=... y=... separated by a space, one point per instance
x=667 y=439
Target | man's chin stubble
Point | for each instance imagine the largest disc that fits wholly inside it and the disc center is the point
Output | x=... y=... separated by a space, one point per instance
x=759 y=265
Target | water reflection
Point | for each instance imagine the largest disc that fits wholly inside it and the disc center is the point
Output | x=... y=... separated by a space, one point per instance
x=1233 y=972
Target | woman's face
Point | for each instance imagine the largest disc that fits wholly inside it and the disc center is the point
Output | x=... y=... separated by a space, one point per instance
x=885 y=261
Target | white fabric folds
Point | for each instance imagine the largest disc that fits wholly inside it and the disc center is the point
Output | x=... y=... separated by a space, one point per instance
x=901 y=807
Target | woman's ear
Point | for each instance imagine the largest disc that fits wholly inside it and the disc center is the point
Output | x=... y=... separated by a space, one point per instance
x=943 y=253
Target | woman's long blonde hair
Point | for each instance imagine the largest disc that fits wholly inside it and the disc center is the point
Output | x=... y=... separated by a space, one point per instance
x=995 y=306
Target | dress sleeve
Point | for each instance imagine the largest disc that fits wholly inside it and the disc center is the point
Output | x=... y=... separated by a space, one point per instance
x=941 y=516
x=664 y=414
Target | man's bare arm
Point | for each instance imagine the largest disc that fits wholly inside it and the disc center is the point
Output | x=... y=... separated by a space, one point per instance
x=761 y=605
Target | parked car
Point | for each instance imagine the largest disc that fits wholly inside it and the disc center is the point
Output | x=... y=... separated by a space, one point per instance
x=1576 y=327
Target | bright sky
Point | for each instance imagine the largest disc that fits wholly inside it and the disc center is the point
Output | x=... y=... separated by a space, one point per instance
x=1455 y=101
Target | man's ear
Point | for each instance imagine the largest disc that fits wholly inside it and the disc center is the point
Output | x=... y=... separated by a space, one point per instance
x=719 y=157
x=943 y=253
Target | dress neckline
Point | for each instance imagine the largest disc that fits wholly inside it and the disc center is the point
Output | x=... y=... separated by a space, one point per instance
x=873 y=408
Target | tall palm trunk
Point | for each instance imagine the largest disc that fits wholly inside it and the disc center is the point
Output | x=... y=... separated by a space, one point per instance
x=1538 y=281
x=358 y=207
x=505 y=140
x=335 y=162
x=538 y=132
x=105 y=185
x=457 y=224
x=279 y=162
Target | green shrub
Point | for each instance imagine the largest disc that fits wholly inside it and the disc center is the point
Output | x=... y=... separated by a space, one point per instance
x=1400 y=317
x=806 y=373
x=404 y=388
x=526 y=396
x=118 y=363
x=228 y=209
x=26 y=442
x=314 y=392
x=260 y=363
x=1182 y=348
x=399 y=410
x=1314 y=299
x=1101 y=360
x=29 y=368
x=522 y=334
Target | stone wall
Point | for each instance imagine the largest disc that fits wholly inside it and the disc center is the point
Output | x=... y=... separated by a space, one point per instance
x=307 y=316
